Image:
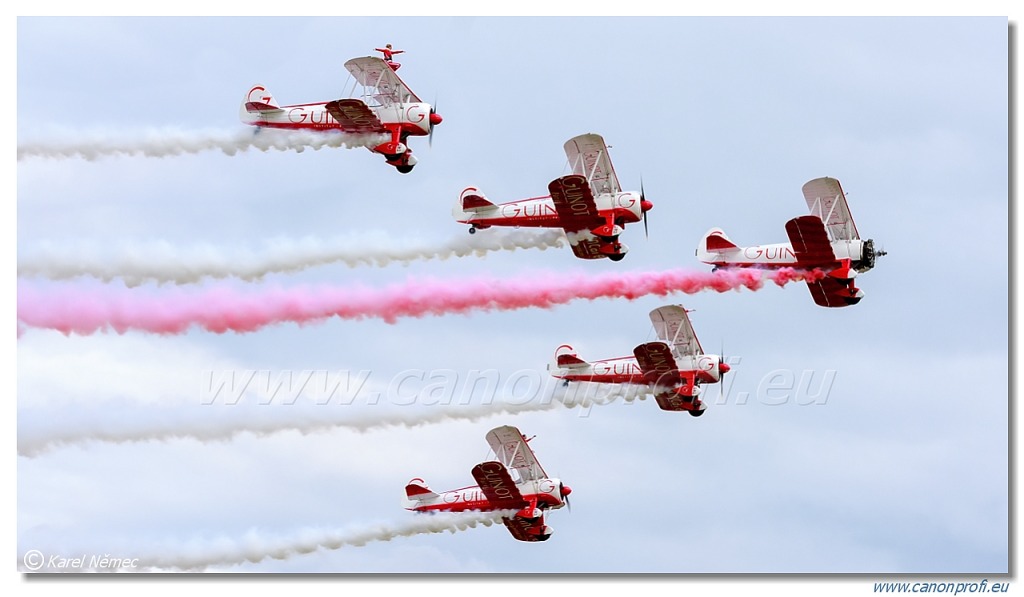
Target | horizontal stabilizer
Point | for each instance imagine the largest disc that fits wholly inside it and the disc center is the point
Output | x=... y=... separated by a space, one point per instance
x=260 y=100
x=565 y=356
x=719 y=243
x=472 y=200
x=566 y=360
x=261 y=107
x=417 y=490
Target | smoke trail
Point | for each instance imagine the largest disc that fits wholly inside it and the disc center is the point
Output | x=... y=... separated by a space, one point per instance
x=39 y=433
x=255 y=548
x=86 y=311
x=164 y=143
x=162 y=262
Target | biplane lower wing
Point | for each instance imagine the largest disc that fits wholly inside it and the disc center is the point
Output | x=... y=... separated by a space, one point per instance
x=354 y=116
x=527 y=529
x=813 y=249
x=498 y=487
x=577 y=214
x=829 y=292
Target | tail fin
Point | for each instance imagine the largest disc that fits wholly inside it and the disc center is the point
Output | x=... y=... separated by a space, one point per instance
x=417 y=490
x=713 y=245
x=566 y=358
x=256 y=102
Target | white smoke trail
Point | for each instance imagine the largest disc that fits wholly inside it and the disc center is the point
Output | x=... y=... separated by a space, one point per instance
x=40 y=432
x=162 y=262
x=165 y=143
x=255 y=547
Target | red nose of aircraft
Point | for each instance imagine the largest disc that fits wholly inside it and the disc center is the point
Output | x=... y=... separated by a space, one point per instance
x=723 y=368
x=566 y=490
x=645 y=205
x=435 y=119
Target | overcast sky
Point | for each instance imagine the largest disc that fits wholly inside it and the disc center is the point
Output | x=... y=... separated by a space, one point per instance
x=898 y=465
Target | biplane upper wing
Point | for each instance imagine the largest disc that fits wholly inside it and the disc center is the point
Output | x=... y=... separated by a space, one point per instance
x=354 y=116
x=810 y=242
x=588 y=156
x=373 y=72
x=673 y=327
x=498 y=486
x=577 y=213
x=511 y=449
x=826 y=200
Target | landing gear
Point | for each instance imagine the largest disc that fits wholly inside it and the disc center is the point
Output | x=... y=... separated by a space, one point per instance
x=472 y=229
x=617 y=256
x=696 y=413
x=404 y=169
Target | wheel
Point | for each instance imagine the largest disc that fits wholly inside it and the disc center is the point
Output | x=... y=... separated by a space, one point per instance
x=617 y=256
x=472 y=229
x=404 y=169
x=696 y=413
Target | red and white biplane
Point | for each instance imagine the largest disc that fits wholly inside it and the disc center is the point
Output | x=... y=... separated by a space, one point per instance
x=676 y=366
x=589 y=205
x=827 y=239
x=514 y=481
x=383 y=105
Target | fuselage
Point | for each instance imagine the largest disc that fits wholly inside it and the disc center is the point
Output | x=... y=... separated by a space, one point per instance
x=626 y=370
x=777 y=255
x=539 y=212
x=411 y=118
x=545 y=492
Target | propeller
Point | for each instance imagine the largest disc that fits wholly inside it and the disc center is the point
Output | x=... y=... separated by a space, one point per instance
x=723 y=368
x=645 y=206
x=435 y=119
x=564 y=492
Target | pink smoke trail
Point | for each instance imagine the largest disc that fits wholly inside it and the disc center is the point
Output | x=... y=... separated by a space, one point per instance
x=85 y=311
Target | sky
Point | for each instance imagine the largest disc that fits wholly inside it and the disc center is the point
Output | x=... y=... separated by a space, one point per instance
x=892 y=458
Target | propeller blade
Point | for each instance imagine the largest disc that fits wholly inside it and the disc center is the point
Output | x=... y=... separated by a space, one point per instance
x=430 y=135
x=643 y=203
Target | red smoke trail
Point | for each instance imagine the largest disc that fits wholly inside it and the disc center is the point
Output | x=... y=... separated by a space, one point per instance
x=86 y=311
